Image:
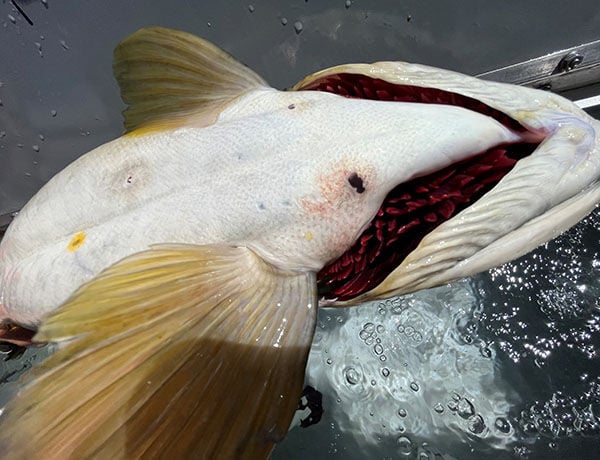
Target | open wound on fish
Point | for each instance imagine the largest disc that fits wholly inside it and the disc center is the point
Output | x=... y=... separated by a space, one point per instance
x=414 y=208
x=198 y=351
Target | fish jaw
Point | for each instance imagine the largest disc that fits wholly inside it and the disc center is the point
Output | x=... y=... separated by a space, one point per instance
x=547 y=191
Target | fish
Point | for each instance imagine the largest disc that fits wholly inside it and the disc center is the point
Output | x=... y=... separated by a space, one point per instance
x=177 y=270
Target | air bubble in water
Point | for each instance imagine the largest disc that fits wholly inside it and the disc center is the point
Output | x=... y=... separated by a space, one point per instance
x=298 y=27
x=385 y=372
x=476 y=424
x=402 y=412
x=64 y=44
x=53 y=113
x=485 y=351
x=465 y=408
x=12 y=19
x=251 y=8
x=414 y=386
x=404 y=445
x=438 y=408
x=352 y=376
x=284 y=21
x=502 y=425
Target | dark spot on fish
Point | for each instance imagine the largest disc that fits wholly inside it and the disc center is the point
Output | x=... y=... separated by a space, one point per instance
x=292 y=106
x=261 y=206
x=129 y=179
x=356 y=182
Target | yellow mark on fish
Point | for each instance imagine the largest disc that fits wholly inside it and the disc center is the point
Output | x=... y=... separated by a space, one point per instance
x=308 y=236
x=76 y=242
x=148 y=129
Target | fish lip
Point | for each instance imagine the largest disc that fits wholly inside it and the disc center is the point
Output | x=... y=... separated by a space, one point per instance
x=544 y=121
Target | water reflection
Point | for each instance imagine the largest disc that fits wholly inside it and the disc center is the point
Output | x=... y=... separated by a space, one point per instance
x=504 y=365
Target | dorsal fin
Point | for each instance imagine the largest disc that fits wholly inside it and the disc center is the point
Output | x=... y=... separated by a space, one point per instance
x=171 y=78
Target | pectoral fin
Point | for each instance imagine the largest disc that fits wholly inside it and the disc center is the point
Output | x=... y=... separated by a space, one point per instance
x=190 y=351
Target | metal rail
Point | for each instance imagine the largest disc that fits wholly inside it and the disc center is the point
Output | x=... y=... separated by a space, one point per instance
x=560 y=71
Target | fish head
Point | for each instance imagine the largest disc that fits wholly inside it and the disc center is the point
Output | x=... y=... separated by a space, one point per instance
x=466 y=176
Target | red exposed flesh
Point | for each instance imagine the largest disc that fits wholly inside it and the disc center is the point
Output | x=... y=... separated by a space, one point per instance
x=415 y=208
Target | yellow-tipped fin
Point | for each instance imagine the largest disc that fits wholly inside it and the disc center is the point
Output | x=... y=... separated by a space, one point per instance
x=185 y=351
x=171 y=78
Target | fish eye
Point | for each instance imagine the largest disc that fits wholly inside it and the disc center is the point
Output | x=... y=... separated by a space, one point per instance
x=356 y=182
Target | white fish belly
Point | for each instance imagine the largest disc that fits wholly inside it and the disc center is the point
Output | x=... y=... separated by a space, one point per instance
x=245 y=180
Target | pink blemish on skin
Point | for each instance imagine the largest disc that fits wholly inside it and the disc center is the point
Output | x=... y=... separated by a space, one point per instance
x=335 y=190
x=338 y=204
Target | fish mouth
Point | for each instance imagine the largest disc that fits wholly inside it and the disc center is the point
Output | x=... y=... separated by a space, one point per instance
x=415 y=209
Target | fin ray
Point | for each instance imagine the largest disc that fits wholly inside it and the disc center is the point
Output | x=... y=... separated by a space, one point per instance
x=171 y=78
x=139 y=372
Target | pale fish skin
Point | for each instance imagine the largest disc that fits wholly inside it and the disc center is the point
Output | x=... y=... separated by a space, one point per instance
x=176 y=267
x=287 y=196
